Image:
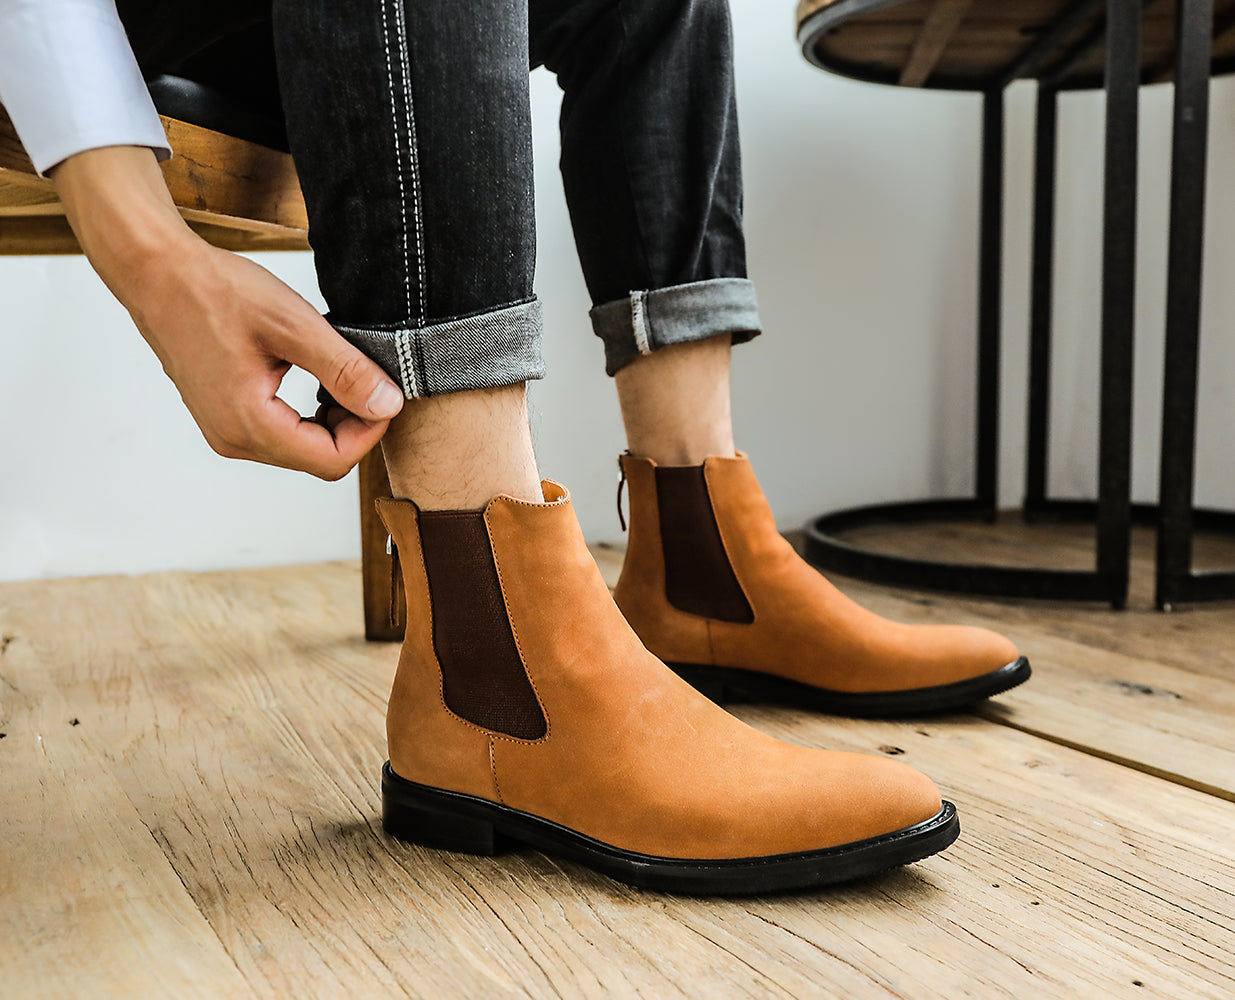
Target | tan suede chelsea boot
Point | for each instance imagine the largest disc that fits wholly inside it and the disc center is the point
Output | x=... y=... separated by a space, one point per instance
x=525 y=712
x=714 y=590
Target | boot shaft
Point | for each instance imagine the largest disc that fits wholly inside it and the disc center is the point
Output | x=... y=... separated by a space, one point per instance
x=690 y=531
x=504 y=606
x=459 y=626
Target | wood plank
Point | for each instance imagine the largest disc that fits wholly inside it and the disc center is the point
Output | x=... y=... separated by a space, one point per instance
x=37 y=206
x=242 y=223
x=1158 y=719
x=17 y=195
x=1097 y=685
x=1042 y=825
x=385 y=605
x=30 y=235
x=241 y=715
x=246 y=239
x=938 y=28
x=34 y=235
x=12 y=154
x=210 y=172
x=223 y=175
x=89 y=904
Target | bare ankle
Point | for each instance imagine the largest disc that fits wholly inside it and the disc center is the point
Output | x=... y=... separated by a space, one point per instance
x=675 y=403
x=457 y=451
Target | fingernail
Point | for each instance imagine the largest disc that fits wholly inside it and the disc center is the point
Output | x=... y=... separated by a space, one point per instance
x=386 y=400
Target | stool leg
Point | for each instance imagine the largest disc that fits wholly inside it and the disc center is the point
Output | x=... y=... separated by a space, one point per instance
x=1123 y=69
x=1042 y=296
x=990 y=293
x=384 y=607
x=1193 y=40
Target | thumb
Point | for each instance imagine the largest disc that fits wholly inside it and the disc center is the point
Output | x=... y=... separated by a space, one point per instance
x=356 y=382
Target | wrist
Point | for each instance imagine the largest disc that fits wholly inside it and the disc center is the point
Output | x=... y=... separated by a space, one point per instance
x=119 y=207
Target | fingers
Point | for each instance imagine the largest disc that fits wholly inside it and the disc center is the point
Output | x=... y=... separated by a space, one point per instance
x=327 y=446
x=328 y=452
x=356 y=382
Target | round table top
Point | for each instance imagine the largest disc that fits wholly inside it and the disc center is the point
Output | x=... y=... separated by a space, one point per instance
x=980 y=44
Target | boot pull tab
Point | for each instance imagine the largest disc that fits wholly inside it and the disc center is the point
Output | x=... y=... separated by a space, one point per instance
x=392 y=550
x=621 y=486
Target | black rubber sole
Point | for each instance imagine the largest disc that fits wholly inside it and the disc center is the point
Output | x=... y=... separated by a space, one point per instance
x=730 y=684
x=454 y=822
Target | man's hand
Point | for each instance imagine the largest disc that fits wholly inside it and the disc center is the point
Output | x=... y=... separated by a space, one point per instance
x=225 y=329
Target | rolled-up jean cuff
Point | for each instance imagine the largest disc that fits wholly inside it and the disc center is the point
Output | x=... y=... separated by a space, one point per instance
x=481 y=351
x=647 y=321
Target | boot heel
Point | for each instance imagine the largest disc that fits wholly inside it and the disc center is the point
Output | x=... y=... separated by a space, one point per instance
x=430 y=825
x=703 y=681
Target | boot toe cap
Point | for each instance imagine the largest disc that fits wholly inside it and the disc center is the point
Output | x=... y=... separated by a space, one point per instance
x=946 y=654
x=896 y=796
x=863 y=796
x=985 y=651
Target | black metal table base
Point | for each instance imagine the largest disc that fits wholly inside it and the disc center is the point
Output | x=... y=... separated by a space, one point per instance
x=828 y=549
x=1112 y=512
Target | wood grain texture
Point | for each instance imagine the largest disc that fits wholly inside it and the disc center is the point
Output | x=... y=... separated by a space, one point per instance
x=91 y=904
x=221 y=232
x=12 y=154
x=384 y=605
x=49 y=233
x=937 y=30
x=32 y=235
x=17 y=197
x=223 y=775
x=236 y=194
x=226 y=176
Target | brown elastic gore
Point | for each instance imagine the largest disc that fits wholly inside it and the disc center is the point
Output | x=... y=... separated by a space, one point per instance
x=483 y=677
x=698 y=576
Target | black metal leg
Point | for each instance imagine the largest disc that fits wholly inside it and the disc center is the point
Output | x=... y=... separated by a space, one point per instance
x=990 y=293
x=1193 y=39
x=1123 y=67
x=1042 y=289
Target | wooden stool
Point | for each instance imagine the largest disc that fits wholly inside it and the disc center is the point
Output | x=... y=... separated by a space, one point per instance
x=984 y=46
x=236 y=194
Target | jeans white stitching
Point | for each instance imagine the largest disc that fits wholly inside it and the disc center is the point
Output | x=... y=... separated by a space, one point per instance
x=638 y=322
x=407 y=362
x=414 y=158
x=409 y=379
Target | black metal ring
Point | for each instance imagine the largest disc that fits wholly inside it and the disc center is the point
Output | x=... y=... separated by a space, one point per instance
x=826 y=550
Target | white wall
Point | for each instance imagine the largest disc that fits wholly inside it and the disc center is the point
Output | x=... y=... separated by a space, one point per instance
x=861 y=209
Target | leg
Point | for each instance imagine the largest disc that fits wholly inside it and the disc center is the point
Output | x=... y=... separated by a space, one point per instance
x=524 y=708
x=405 y=147
x=657 y=208
x=990 y=298
x=1123 y=67
x=1194 y=28
x=649 y=134
x=1042 y=284
x=651 y=168
x=675 y=403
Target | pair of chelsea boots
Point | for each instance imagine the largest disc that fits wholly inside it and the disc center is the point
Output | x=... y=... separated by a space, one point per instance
x=529 y=711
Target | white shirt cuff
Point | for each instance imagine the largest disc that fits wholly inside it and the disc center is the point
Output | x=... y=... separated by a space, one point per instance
x=69 y=81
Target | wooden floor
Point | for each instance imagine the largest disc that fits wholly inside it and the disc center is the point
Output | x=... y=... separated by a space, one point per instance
x=190 y=764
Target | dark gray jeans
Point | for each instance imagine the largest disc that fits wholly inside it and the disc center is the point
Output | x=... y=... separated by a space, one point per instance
x=409 y=121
